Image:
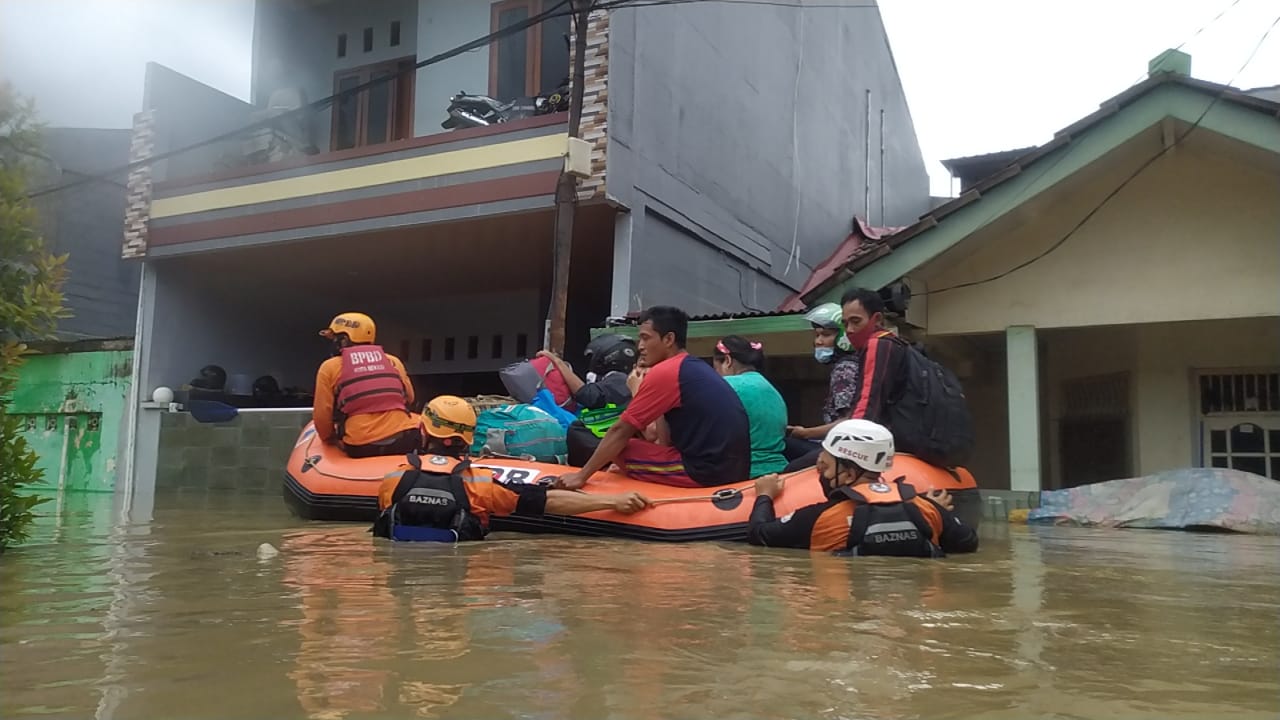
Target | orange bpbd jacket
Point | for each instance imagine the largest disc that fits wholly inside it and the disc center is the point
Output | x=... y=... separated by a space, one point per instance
x=360 y=429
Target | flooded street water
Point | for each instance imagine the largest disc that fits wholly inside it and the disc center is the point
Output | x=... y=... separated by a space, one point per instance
x=180 y=618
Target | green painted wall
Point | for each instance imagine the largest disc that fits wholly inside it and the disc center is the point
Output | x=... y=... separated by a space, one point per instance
x=72 y=405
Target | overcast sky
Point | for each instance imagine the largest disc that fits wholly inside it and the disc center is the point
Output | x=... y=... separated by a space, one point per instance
x=980 y=75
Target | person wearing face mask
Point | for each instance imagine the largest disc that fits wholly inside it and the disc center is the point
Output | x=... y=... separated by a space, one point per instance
x=830 y=347
x=862 y=515
x=363 y=393
x=602 y=396
x=881 y=354
x=739 y=361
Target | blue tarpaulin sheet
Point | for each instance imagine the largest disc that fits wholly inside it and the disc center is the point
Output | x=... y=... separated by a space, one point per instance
x=1176 y=499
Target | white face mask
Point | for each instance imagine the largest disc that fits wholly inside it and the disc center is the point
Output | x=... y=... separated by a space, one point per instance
x=591 y=377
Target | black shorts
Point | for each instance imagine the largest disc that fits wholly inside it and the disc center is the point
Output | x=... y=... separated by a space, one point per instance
x=402 y=443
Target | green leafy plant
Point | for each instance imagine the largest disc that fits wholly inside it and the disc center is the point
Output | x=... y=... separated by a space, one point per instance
x=30 y=305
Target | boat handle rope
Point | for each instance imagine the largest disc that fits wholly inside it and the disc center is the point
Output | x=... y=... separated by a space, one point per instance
x=722 y=494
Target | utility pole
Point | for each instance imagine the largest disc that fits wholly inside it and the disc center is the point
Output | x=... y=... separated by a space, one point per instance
x=567 y=187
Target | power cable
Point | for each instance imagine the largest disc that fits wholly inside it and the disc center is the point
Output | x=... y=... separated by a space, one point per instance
x=556 y=11
x=1150 y=161
x=1048 y=167
x=322 y=103
x=798 y=4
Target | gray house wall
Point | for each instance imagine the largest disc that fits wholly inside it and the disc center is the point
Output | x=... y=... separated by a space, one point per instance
x=188 y=112
x=721 y=117
x=295 y=45
x=444 y=24
x=101 y=288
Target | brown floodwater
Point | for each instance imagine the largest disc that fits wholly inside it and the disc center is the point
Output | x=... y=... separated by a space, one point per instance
x=179 y=618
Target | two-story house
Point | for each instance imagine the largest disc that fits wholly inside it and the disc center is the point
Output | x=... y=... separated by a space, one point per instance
x=729 y=146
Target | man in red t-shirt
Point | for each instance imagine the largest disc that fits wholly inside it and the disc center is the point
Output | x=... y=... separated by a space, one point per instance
x=702 y=436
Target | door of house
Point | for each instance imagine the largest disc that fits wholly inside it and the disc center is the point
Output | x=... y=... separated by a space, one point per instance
x=1095 y=437
x=1240 y=421
x=376 y=115
x=1244 y=442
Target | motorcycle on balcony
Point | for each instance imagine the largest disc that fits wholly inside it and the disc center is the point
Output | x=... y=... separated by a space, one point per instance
x=481 y=110
x=467 y=110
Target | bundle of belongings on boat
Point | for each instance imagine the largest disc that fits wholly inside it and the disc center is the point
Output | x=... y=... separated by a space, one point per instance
x=548 y=421
x=520 y=430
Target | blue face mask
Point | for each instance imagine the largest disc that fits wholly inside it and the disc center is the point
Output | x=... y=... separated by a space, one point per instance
x=824 y=355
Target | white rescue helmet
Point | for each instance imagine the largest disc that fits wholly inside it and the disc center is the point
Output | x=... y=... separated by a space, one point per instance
x=864 y=443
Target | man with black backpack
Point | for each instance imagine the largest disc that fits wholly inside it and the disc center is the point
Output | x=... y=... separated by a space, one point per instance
x=920 y=401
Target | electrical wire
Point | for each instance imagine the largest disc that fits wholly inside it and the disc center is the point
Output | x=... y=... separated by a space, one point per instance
x=1124 y=183
x=557 y=11
x=1048 y=167
x=36 y=154
x=1204 y=27
x=798 y=4
x=793 y=257
x=322 y=103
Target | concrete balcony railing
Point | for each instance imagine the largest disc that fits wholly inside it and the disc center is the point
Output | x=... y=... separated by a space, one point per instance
x=274 y=180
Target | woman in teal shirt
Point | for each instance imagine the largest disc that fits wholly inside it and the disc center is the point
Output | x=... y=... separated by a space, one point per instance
x=739 y=361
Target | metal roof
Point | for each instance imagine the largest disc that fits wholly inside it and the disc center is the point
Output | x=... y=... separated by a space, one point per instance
x=864 y=240
x=737 y=315
x=740 y=315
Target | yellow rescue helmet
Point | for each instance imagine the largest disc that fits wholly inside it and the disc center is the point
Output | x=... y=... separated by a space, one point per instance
x=358 y=327
x=449 y=416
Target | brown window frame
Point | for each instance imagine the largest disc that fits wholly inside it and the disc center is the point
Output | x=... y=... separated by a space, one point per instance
x=399 y=120
x=533 y=44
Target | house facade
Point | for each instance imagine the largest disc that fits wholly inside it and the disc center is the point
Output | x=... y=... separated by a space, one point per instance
x=1111 y=299
x=727 y=148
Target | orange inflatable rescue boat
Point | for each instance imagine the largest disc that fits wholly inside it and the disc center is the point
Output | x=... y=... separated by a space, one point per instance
x=322 y=483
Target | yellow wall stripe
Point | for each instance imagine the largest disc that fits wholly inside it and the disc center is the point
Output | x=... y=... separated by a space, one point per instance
x=544 y=147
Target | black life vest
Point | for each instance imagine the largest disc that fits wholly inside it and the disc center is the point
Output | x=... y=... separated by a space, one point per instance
x=430 y=503
x=886 y=522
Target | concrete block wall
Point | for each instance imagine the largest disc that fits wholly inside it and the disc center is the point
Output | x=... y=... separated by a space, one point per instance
x=245 y=456
x=998 y=503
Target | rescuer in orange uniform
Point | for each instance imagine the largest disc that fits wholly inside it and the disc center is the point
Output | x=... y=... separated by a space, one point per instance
x=862 y=515
x=440 y=497
x=363 y=394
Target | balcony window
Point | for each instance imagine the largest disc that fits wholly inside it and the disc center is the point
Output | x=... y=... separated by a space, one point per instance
x=528 y=63
x=375 y=115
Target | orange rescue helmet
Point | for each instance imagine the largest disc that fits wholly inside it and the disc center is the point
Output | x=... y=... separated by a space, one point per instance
x=358 y=327
x=449 y=416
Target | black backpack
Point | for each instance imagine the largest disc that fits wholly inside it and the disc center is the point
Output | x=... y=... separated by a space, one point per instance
x=929 y=417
